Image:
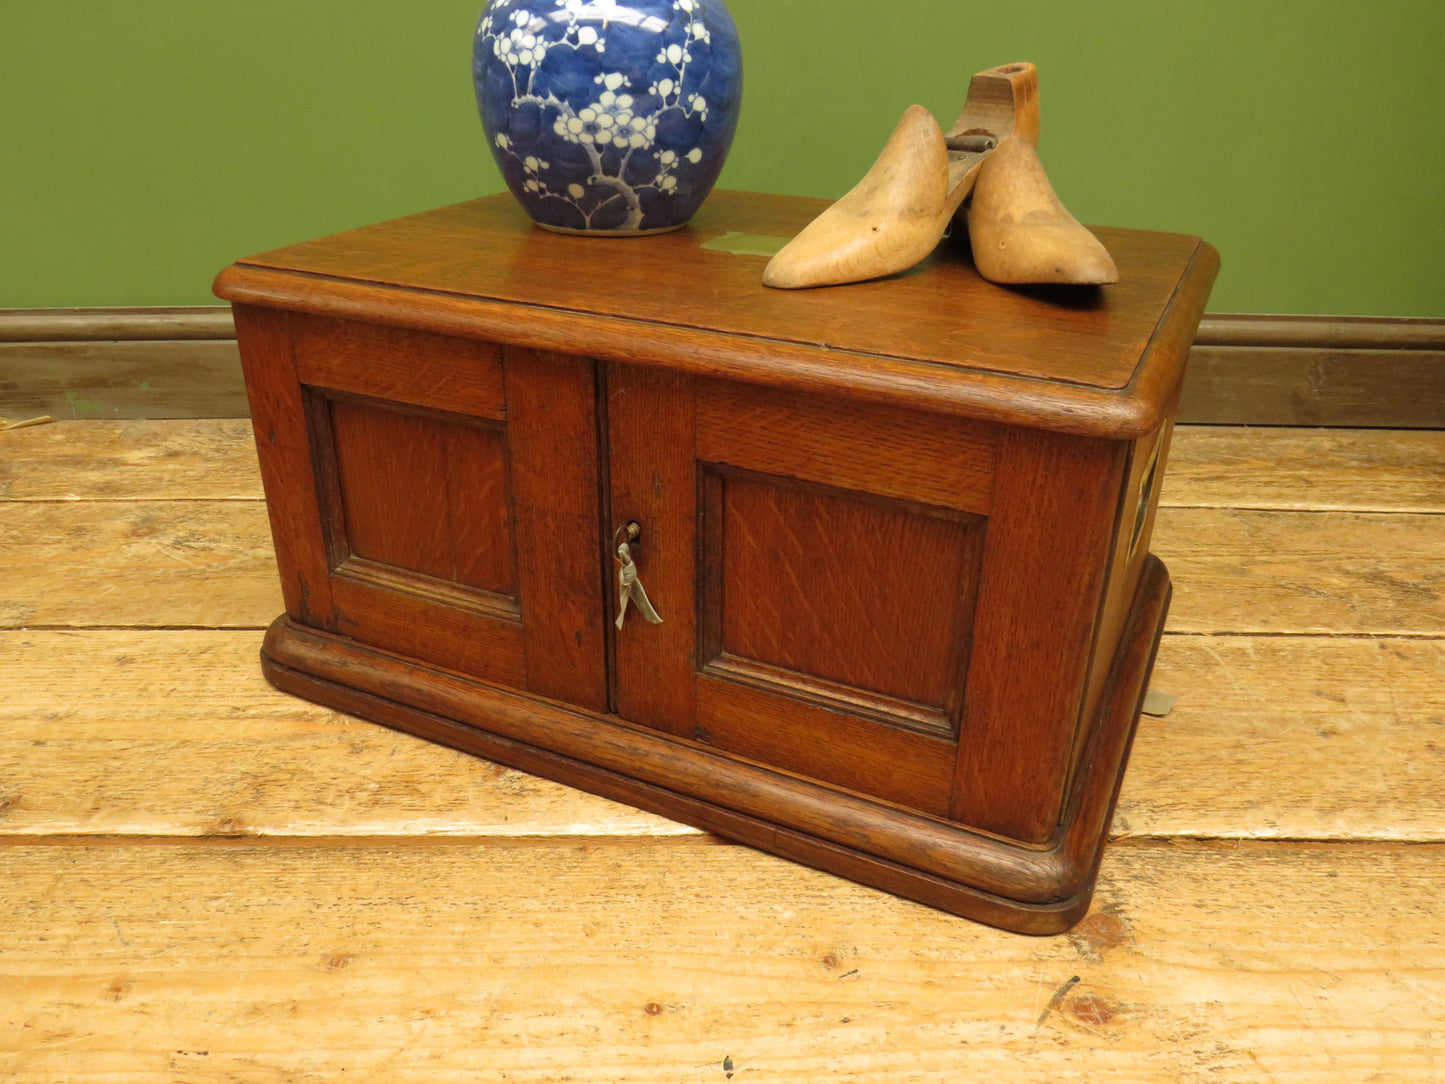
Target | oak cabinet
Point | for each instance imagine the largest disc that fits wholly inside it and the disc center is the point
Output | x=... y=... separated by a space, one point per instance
x=897 y=532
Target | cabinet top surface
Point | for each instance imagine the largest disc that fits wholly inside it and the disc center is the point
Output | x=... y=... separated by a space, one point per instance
x=939 y=326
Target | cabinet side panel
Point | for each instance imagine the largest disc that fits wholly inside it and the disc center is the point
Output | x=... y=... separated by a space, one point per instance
x=651 y=432
x=1142 y=481
x=1045 y=558
x=278 y=417
x=552 y=434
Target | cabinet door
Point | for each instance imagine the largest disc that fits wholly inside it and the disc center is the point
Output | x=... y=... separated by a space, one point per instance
x=815 y=563
x=434 y=499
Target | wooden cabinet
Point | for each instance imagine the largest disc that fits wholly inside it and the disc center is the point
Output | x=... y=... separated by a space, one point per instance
x=897 y=532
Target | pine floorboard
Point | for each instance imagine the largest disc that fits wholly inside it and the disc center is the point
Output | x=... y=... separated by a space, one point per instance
x=204 y=879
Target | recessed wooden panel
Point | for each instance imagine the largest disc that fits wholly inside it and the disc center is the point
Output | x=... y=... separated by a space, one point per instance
x=425 y=494
x=927 y=458
x=431 y=627
x=900 y=766
x=440 y=592
x=438 y=371
x=868 y=593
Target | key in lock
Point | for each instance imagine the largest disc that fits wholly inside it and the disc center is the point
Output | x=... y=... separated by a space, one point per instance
x=629 y=587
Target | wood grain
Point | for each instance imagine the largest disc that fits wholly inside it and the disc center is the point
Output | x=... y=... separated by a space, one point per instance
x=1323 y=332
x=1253 y=385
x=145 y=563
x=1130 y=552
x=117 y=324
x=457 y=528
x=869 y=593
x=1344 y=470
x=1241 y=570
x=1351 y=470
x=160 y=322
x=427 y=574
x=1244 y=370
x=289 y=471
x=97 y=380
x=396 y=956
x=911 y=768
x=1316 y=370
x=1044 y=561
x=128 y=562
x=464 y=631
x=834 y=829
x=437 y=371
x=1028 y=890
x=1292 y=737
x=919 y=457
x=176 y=733
x=1112 y=359
x=537 y=963
x=208 y=459
x=552 y=435
x=438 y=251
x=651 y=427
x=1326 y=738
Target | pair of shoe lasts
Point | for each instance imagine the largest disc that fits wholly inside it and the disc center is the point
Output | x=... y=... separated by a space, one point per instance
x=1020 y=232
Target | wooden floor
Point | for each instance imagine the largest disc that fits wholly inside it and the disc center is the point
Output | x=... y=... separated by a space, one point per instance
x=202 y=879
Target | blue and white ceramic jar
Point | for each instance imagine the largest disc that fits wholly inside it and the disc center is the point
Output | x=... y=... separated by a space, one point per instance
x=608 y=116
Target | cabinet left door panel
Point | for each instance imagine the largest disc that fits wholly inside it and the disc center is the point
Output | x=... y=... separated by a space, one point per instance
x=403 y=486
x=417 y=518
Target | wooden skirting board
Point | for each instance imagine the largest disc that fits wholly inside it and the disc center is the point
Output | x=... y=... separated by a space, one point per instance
x=1244 y=370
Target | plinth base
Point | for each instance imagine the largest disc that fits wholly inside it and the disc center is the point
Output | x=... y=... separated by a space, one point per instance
x=1007 y=884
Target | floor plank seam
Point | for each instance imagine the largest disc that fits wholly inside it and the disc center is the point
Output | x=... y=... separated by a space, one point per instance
x=1260 y=845
x=1242 y=426
x=1307 y=635
x=381 y=840
x=661 y=839
x=132 y=500
x=135 y=628
x=1301 y=841
x=1301 y=510
x=1353 y=510
x=1196 y=506
x=1293 y=510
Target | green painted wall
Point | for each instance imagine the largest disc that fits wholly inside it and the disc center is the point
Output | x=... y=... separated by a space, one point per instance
x=143 y=145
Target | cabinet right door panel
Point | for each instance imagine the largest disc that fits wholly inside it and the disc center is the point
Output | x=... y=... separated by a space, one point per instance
x=823 y=560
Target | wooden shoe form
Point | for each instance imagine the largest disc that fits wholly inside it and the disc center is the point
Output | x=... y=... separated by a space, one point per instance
x=899 y=211
x=1020 y=231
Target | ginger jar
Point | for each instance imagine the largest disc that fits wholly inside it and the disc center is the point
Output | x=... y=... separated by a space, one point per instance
x=608 y=117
